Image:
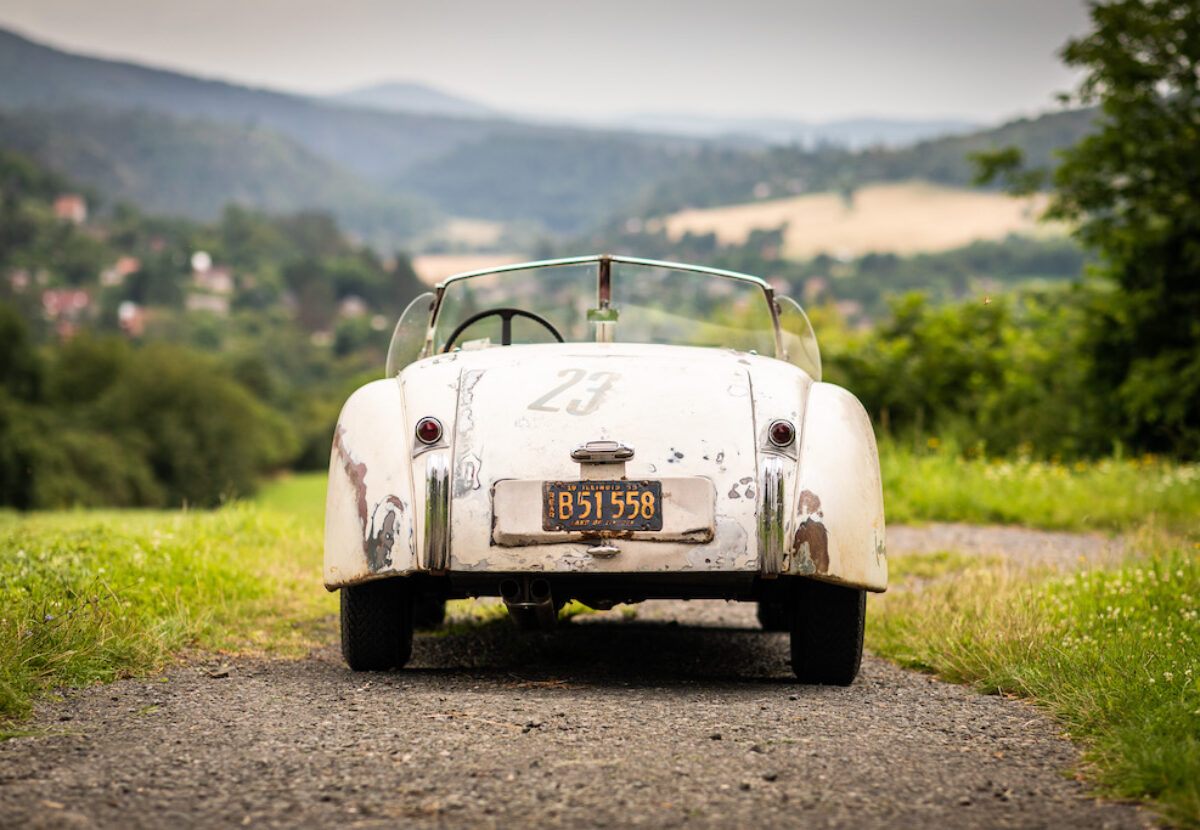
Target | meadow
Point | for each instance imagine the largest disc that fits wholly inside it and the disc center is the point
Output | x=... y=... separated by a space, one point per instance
x=92 y=596
x=935 y=480
x=900 y=218
x=1110 y=653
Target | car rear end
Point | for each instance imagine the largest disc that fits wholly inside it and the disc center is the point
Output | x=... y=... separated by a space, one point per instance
x=604 y=472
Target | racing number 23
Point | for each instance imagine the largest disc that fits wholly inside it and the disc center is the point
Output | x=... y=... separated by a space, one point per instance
x=604 y=382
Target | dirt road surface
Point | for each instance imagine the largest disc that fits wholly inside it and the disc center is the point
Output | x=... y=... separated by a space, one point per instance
x=686 y=715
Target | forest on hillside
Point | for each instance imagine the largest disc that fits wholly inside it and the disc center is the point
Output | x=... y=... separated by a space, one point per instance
x=183 y=146
x=149 y=361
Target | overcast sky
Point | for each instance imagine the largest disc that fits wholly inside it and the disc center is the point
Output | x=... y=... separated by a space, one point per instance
x=983 y=60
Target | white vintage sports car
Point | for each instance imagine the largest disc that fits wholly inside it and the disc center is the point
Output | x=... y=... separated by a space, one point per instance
x=639 y=429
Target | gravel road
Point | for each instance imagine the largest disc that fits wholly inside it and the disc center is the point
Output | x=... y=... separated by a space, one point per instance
x=684 y=715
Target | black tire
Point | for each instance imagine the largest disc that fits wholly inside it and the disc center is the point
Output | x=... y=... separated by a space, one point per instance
x=827 y=632
x=377 y=625
x=428 y=612
x=774 y=616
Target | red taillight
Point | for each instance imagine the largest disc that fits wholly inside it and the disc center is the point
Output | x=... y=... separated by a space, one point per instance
x=781 y=433
x=429 y=430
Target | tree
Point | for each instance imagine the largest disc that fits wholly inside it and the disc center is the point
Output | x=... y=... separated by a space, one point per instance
x=405 y=284
x=1132 y=186
x=20 y=368
x=203 y=435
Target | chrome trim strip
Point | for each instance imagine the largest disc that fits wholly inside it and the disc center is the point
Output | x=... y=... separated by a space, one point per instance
x=420 y=449
x=770 y=517
x=437 y=513
x=596 y=258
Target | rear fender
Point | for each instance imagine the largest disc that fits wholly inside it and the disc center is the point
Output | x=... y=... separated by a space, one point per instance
x=837 y=528
x=369 y=525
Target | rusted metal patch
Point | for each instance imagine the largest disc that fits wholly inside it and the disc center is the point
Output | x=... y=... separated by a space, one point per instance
x=747 y=489
x=809 y=503
x=382 y=537
x=810 y=545
x=356 y=471
x=378 y=526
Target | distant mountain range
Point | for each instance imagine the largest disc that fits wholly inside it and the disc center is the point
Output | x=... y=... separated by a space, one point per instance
x=851 y=133
x=719 y=176
x=388 y=159
x=194 y=168
x=368 y=141
x=400 y=96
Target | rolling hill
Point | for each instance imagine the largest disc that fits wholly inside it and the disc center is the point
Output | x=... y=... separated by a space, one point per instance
x=383 y=148
x=186 y=145
x=901 y=218
x=370 y=142
x=720 y=176
x=194 y=168
x=402 y=96
x=853 y=133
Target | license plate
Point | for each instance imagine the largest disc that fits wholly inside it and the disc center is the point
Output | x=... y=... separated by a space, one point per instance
x=602 y=505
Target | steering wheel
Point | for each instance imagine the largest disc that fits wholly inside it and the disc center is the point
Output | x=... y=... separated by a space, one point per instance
x=506 y=315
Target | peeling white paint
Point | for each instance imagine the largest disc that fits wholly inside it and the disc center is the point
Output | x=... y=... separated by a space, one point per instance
x=695 y=417
x=838 y=523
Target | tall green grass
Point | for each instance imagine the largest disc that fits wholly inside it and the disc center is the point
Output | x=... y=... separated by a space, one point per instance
x=301 y=495
x=93 y=596
x=1113 y=654
x=939 y=482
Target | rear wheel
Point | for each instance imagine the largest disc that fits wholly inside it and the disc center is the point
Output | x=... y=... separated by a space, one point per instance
x=827 y=632
x=377 y=624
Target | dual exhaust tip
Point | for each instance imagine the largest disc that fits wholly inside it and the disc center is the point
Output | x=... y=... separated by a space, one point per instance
x=530 y=602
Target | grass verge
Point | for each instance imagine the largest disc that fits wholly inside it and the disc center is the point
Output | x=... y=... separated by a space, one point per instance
x=94 y=596
x=940 y=483
x=1113 y=654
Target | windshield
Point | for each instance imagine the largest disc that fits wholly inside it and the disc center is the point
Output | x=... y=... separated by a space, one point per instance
x=559 y=295
x=668 y=305
x=608 y=299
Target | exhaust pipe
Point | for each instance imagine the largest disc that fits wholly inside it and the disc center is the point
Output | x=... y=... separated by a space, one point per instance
x=539 y=591
x=510 y=591
x=530 y=603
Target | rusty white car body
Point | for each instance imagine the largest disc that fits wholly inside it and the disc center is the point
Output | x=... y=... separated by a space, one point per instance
x=641 y=429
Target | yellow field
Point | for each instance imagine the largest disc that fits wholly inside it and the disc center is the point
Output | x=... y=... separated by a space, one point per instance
x=902 y=218
x=433 y=268
x=476 y=233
